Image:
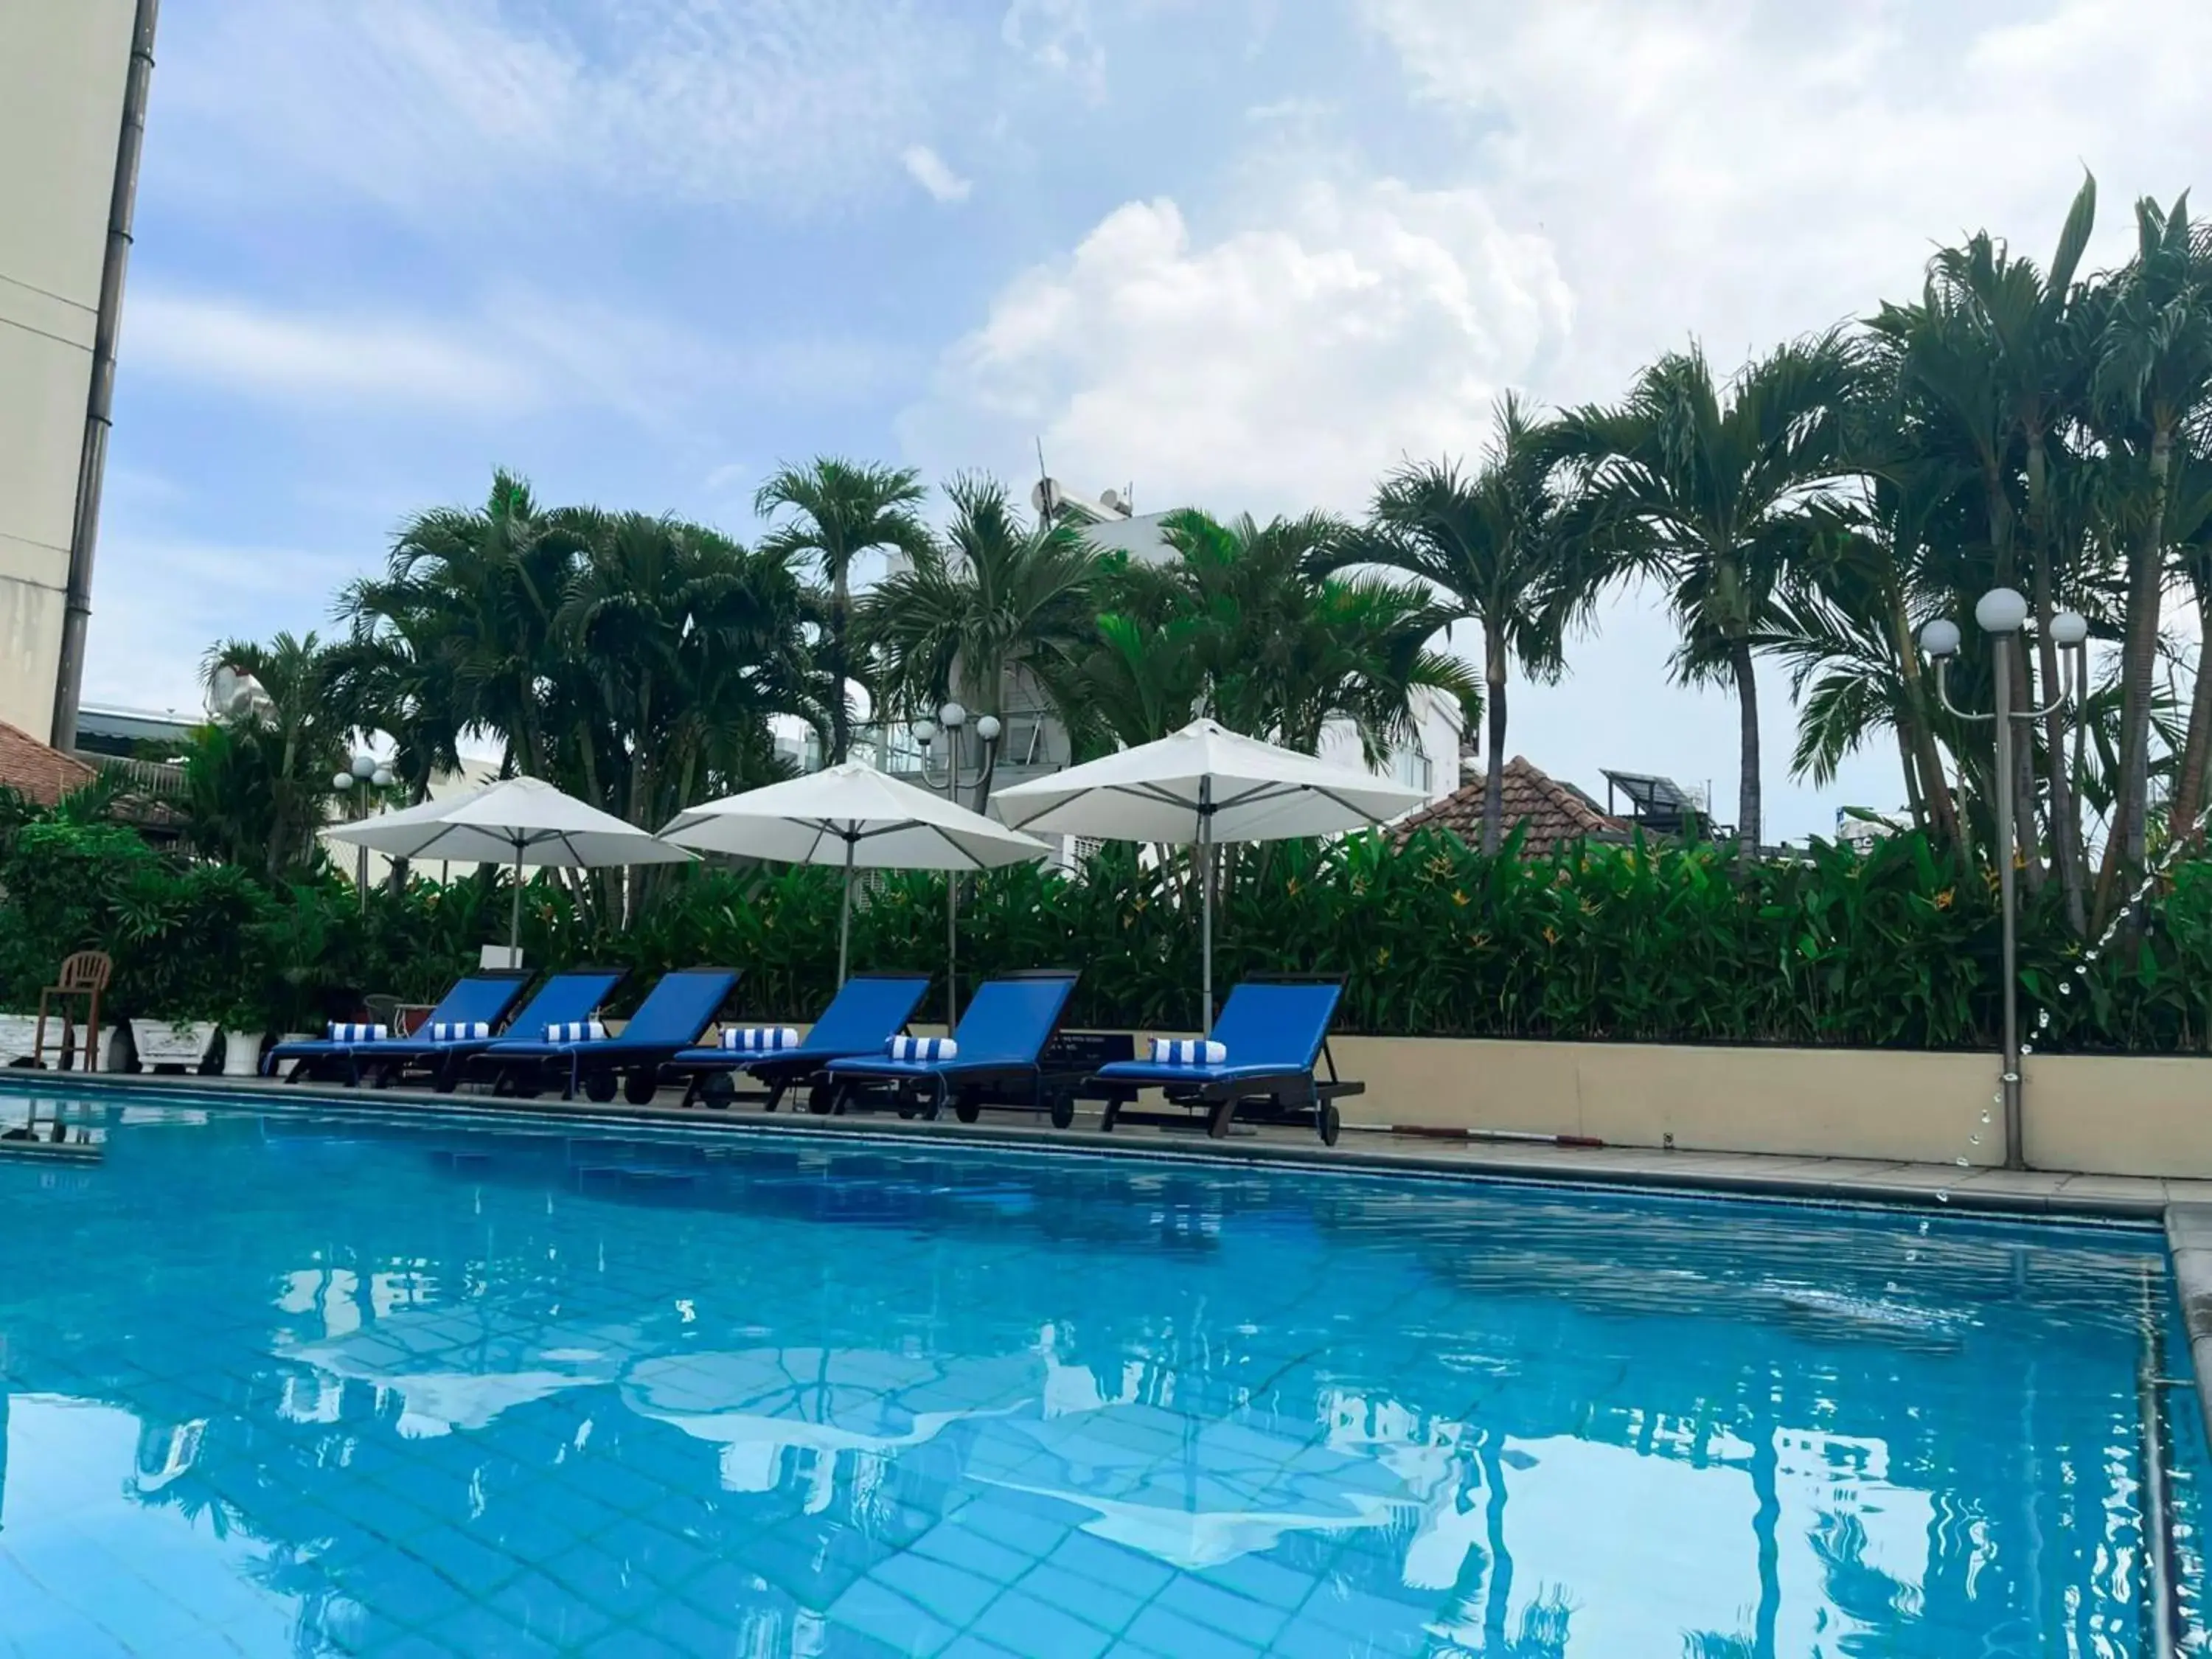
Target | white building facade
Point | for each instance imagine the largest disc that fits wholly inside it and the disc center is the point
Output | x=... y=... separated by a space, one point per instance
x=64 y=65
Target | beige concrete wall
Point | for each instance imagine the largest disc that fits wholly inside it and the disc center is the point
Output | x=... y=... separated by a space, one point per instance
x=2137 y=1115
x=1840 y=1103
x=62 y=65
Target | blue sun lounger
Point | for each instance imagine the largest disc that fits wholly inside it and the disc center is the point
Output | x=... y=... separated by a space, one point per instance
x=478 y=999
x=673 y=1016
x=1000 y=1042
x=864 y=1015
x=1272 y=1032
x=574 y=994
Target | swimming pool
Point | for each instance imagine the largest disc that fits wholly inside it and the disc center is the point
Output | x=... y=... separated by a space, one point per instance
x=304 y=1381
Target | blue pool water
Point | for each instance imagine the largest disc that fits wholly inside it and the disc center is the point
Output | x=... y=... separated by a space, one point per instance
x=300 y=1383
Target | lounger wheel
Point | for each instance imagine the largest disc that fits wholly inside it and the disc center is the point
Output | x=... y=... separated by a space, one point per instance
x=821 y=1099
x=640 y=1087
x=717 y=1090
x=599 y=1087
x=1063 y=1111
x=1330 y=1122
x=965 y=1108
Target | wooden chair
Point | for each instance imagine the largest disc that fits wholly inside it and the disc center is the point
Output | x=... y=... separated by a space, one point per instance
x=84 y=974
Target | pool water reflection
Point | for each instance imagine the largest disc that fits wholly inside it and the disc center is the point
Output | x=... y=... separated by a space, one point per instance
x=303 y=1382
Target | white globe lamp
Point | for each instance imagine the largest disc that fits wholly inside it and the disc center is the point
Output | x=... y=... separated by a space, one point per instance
x=2000 y=610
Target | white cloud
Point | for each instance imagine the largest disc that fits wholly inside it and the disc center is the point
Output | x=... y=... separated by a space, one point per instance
x=288 y=357
x=518 y=352
x=1281 y=366
x=1058 y=36
x=432 y=105
x=934 y=174
x=1749 y=169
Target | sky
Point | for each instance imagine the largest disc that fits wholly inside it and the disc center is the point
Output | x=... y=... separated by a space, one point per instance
x=1246 y=255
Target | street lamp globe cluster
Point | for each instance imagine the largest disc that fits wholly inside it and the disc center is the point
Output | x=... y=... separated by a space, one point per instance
x=364 y=768
x=2001 y=613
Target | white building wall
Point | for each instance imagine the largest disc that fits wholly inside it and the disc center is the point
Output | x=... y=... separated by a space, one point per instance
x=62 y=65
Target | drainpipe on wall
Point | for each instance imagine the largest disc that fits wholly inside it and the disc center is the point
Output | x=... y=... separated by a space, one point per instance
x=92 y=463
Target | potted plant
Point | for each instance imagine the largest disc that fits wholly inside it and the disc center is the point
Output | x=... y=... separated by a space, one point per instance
x=245 y=1022
x=171 y=1041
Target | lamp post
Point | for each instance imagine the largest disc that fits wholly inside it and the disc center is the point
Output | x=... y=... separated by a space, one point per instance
x=362 y=771
x=2002 y=613
x=951 y=720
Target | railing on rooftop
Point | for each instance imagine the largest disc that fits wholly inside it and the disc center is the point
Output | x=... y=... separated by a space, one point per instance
x=142 y=777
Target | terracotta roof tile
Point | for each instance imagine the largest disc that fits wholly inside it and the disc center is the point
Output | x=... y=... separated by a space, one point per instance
x=1554 y=812
x=38 y=769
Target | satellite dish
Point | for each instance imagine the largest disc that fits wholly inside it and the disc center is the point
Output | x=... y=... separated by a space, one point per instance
x=1110 y=500
x=222 y=688
x=1046 y=496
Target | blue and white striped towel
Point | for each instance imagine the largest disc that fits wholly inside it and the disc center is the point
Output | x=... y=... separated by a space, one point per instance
x=760 y=1039
x=346 y=1031
x=576 y=1030
x=924 y=1049
x=460 y=1030
x=1187 y=1051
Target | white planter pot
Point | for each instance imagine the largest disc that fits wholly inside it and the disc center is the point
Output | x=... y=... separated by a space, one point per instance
x=19 y=1036
x=17 y=1033
x=159 y=1043
x=241 y=1054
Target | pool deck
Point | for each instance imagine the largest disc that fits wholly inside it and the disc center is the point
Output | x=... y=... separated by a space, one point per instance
x=2036 y=1193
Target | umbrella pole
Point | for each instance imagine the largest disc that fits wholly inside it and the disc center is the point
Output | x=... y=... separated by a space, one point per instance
x=845 y=917
x=514 y=914
x=952 y=949
x=1205 y=902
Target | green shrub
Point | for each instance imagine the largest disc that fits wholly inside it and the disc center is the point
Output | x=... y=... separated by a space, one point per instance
x=1891 y=948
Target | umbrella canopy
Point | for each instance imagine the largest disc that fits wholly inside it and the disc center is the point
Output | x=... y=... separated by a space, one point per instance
x=1205 y=784
x=856 y=817
x=517 y=821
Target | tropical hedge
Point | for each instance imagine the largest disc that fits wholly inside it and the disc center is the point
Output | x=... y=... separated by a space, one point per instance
x=1893 y=948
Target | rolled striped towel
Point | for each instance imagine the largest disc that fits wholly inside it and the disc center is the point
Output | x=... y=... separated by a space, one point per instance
x=460 y=1030
x=924 y=1049
x=1187 y=1051
x=346 y=1032
x=760 y=1039
x=576 y=1030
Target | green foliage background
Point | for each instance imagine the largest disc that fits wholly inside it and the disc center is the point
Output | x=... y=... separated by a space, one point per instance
x=1891 y=949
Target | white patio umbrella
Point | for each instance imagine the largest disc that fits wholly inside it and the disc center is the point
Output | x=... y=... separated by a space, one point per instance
x=1204 y=785
x=517 y=821
x=854 y=817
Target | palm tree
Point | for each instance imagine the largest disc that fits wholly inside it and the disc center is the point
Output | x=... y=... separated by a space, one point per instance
x=688 y=645
x=1987 y=373
x=1282 y=651
x=1000 y=607
x=1705 y=486
x=1494 y=546
x=2153 y=371
x=838 y=510
x=1143 y=676
x=259 y=783
x=463 y=621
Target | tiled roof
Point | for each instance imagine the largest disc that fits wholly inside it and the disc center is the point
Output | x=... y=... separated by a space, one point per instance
x=1553 y=811
x=38 y=770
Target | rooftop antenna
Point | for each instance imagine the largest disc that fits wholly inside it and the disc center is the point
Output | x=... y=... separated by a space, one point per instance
x=1044 y=492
